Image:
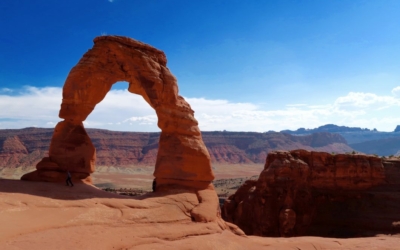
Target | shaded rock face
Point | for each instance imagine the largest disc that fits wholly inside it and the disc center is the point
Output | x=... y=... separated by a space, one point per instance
x=312 y=193
x=182 y=154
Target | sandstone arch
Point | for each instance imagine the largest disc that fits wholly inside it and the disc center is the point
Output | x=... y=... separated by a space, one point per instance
x=182 y=157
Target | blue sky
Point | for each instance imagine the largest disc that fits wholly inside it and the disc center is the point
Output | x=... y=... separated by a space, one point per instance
x=242 y=65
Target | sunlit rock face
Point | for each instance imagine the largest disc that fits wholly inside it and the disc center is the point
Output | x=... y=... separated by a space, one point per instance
x=309 y=193
x=182 y=156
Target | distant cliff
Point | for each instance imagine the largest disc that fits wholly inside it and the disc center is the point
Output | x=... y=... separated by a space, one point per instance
x=360 y=139
x=252 y=147
x=331 y=128
x=25 y=147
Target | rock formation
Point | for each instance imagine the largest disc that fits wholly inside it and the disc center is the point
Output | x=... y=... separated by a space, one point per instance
x=22 y=149
x=312 y=193
x=52 y=216
x=182 y=157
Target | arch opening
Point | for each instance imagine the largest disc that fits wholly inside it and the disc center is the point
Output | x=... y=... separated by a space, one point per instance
x=121 y=110
x=127 y=167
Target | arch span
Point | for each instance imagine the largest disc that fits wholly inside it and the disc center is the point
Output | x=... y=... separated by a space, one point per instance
x=182 y=155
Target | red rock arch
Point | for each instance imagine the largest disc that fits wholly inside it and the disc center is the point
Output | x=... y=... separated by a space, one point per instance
x=182 y=155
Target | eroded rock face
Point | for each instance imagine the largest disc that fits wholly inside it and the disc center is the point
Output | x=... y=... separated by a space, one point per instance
x=26 y=147
x=287 y=198
x=182 y=155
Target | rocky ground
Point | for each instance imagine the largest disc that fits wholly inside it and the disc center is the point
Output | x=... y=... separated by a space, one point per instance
x=40 y=215
x=138 y=179
x=37 y=215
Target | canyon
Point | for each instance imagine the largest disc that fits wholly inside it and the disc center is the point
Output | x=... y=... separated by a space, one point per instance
x=24 y=148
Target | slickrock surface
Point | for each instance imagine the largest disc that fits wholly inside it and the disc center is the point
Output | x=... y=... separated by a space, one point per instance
x=38 y=215
x=182 y=156
x=316 y=193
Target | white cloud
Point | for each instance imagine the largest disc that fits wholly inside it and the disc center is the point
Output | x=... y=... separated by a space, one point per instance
x=355 y=109
x=31 y=106
x=396 y=91
x=145 y=120
x=121 y=110
x=364 y=100
x=296 y=105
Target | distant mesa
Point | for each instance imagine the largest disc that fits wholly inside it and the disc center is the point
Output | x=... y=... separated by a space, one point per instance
x=331 y=128
x=127 y=149
x=182 y=156
x=124 y=149
x=369 y=141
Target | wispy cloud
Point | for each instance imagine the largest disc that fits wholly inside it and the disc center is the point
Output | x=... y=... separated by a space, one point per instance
x=31 y=103
x=5 y=90
x=365 y=100
x=296 y=105
x=396 y=91
x=121 y=110
x=143 y=120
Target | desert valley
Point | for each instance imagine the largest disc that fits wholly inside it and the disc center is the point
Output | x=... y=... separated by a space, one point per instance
x=323 y=188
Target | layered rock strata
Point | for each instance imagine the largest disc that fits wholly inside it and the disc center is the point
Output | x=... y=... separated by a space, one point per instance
x=312 y=193
x=182 y=156
x=24 y=148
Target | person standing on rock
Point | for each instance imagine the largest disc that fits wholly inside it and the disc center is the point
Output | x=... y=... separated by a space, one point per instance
x=287 y=222
x=69 y=181
x=154 y=185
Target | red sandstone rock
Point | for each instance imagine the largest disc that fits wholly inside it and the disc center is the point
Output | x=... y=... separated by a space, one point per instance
x=182 y=154
x=51 y=216
x=296 y=189
x=129 y=149
x=182 y=159
x=71 y=148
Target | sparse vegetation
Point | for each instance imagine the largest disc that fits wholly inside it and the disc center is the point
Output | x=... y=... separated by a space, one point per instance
x=126 y=191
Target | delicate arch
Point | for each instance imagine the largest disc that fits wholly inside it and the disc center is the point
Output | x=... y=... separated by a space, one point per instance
x=182 y=155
